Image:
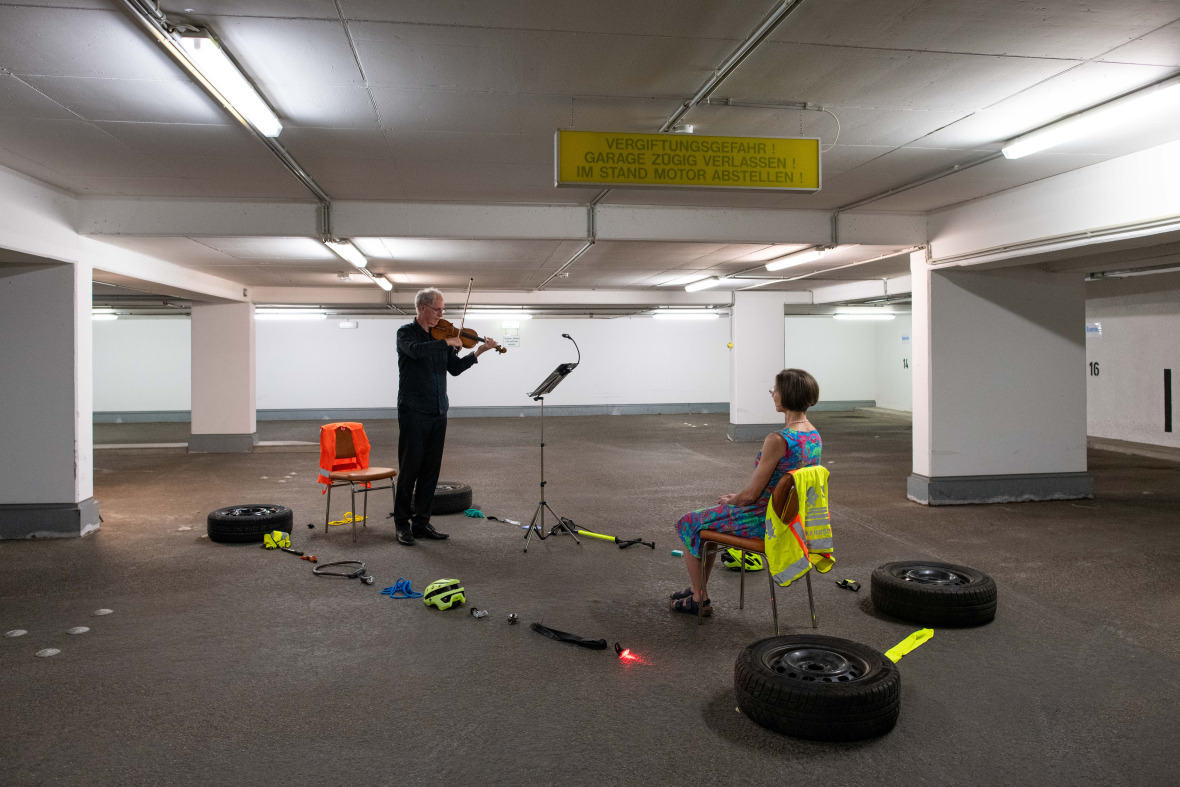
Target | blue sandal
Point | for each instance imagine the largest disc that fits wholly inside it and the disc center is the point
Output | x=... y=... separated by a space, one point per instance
x=686 y=593
x=689 y=606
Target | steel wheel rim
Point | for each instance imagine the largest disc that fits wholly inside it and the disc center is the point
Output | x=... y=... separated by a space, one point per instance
x=252 y=511
x=815 y=664
x=930 y=575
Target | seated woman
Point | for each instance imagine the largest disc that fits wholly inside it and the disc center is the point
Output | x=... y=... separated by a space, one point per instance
x=744 y=513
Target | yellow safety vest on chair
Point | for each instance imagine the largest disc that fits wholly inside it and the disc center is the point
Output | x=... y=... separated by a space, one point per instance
x=792 y=548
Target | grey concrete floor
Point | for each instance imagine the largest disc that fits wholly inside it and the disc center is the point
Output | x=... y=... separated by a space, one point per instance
x=231 y=665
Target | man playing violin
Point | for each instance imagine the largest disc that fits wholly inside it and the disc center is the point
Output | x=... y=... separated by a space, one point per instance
x=423 y=363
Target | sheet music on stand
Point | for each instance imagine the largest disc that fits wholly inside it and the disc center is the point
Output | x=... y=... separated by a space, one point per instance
x=551 y=382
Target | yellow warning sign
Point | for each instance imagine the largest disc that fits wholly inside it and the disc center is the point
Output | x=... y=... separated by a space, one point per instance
x=603 y=158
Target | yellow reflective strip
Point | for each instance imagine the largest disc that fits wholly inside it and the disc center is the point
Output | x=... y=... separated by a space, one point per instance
x=909 y=643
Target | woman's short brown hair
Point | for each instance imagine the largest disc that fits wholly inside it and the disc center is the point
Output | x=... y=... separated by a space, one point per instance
x=797 y=390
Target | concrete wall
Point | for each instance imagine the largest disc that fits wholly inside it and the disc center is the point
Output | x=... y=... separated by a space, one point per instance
x=45 y=420
x=854 y=361
x=317 y=365
x=142 y=364
x=1140 y=337
x=1007 y=357
x=894 y=362
x=841 y=355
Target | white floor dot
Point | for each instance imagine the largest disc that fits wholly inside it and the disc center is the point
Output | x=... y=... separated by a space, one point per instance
x=48 y=652
x=15 y=633
x=78 y=630
x=103 y=611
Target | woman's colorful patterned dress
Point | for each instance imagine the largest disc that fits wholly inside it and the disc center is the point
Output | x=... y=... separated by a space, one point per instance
x=803 y=450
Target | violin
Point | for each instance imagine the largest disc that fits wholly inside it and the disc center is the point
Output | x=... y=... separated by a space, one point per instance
x=446 y=330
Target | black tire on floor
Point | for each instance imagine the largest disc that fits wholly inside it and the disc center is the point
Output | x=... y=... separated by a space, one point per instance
x=819 y=688
x=451 y=497
x=934 y=594
x=246 y=523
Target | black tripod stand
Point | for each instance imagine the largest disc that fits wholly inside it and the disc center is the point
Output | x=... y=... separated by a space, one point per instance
x=537 y=525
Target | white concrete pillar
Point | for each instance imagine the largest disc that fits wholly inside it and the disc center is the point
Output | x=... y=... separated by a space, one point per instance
x=46 y=398
x=224 y=406
x=757 y=356
x=999 y=363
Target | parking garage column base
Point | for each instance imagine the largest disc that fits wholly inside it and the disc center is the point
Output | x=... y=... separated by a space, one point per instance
x=49 y=520
x=965 y=490
x=222 y=443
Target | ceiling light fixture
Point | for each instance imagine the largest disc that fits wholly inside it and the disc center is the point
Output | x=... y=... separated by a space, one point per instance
x=347 y=252
x=287 y=313
x=1130 y=272
x=290 y=315
x=798 y=258
x=499 y=316
x=865 y=316
x=703 y=284
x=205 y=55
x=1119 y=112
x=696 y=315
x=104 y=316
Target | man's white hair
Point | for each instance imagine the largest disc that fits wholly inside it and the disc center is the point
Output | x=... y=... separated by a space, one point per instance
x=426 y=297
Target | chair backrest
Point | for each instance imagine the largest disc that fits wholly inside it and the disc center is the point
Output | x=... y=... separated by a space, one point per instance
x=784 y=499
x=344 y=446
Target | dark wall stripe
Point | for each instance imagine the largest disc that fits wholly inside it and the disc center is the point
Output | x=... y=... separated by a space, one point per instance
x=1167 y=400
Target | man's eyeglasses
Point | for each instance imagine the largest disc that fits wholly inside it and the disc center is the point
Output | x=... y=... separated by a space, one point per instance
x=433 y=308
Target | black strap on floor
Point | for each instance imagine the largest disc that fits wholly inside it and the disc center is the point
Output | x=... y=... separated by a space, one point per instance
x=565 y=636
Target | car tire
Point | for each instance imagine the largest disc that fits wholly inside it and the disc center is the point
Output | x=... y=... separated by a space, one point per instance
x=818 y=688
x=247 y=523
x=934 y=594
x=451 y=497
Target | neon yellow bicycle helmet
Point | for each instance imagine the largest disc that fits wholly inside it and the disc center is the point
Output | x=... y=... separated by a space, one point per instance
x=732 y=558
x=443 y=593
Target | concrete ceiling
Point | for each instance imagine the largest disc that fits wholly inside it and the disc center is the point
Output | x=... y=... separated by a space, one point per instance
x=457 y=102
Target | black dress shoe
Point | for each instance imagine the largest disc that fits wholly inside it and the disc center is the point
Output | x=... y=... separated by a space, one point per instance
x=405 y=537
x=428 y=531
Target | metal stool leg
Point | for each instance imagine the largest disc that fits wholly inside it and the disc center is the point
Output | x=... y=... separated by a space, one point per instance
x=810 y=600
x=328 y=508
x=773 y=600
x=742 y=592
x=365 y=519
x=352 y=492
x=704 y=579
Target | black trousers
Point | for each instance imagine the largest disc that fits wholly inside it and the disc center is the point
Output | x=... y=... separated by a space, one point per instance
x=420 y=442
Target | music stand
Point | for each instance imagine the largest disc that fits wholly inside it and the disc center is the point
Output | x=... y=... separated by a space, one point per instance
x=537 y=524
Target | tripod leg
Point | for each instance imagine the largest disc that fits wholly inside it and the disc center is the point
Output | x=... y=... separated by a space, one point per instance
x=533 y=527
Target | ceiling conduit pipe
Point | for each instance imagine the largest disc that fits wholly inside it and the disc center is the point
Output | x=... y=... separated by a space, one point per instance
x=905 y=187
x=763 y=282
x=152 y=19
x=591 y=235
x=764 y=29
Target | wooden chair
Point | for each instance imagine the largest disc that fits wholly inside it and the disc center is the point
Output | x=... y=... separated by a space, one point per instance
x=345 y=449
x=786 y=505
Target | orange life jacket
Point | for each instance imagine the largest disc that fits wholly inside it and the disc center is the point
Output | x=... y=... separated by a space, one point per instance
x=328 y=460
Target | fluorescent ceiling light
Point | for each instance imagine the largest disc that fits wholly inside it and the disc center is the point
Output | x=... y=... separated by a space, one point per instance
x=703 y=284
x=104 y=316
x=499 y=316
x=791 y=260
x=680 y=281
x=685 y=315
x=293 y=316
x=347 y=252
x=862 y=316
x=1117 y=113
x=238 y=95
x=384 y=283
x=289 y=314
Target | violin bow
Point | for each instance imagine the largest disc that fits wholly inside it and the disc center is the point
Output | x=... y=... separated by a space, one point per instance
x=463 y=319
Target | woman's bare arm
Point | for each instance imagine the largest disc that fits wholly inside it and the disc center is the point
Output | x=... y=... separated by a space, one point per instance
x=773 y=449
